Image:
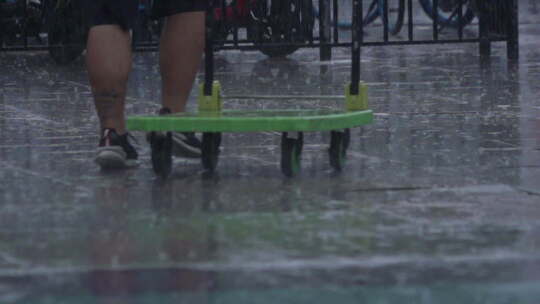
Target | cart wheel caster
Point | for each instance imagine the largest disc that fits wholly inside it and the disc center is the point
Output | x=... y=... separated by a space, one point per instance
x=291 y=152
x=210 y=151
x=161 y=145
x=339 y=143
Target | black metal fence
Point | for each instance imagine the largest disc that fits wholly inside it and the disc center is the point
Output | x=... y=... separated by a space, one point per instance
x=279 y=27
x=464 y=21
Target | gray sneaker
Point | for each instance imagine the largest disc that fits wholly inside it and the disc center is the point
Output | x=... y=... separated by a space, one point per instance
x=185 y=144
x=115 y=151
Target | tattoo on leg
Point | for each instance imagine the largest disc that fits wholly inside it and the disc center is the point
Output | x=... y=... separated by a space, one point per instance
x=107 y=104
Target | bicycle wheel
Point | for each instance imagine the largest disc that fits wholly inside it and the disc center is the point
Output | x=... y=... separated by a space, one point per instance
x=282 y=23
x=66 y=32
x=448 y=12
x=396 y=14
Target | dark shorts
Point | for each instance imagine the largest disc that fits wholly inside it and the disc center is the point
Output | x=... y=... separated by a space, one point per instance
x=125 y=12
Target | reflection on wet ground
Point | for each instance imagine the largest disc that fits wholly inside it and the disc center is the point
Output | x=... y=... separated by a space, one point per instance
x=438 y=204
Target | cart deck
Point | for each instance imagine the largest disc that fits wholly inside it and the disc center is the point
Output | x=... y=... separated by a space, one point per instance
x=253 y=121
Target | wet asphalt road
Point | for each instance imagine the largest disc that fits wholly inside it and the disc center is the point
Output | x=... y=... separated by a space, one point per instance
x=439 y=203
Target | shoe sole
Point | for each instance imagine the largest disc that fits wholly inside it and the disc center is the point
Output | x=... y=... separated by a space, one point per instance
x=113 y=158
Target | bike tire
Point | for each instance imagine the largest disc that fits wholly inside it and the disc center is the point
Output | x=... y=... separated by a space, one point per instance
x=468 y=16
x=394 y=27
x=262 y=24
x=375 y=11
x=67 y=33
x=371 y=15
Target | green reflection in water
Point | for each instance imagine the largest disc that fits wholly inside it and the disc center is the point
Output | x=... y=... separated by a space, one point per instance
x=494 y=293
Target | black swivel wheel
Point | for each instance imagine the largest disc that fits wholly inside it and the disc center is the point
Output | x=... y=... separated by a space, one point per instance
x=210 y=151
x=161 y=146
x=339 y=143
x=291 y=153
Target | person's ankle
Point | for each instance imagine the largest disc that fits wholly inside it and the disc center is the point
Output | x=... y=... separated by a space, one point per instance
x=117 y=130
x=164 y=111
x=174 y=108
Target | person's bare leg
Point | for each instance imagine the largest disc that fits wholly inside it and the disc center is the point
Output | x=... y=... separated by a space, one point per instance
x=108 y=62
x=181 y=48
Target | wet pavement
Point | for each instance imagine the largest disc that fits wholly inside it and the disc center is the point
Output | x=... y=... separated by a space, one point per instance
x=439 y=203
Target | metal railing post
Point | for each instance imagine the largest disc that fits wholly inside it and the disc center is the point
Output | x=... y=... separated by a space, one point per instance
x=325 y=30
x=335 y=23
x=512 y=43
x=483 y=24
x=357 y=39
x=410 y=15
x=435 y=17
x=209 y=53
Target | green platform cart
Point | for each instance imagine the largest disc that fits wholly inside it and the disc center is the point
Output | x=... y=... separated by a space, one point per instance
x=212 y=119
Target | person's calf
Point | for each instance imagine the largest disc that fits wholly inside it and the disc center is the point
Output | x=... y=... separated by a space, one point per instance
x=108 y=60
x=181 y=50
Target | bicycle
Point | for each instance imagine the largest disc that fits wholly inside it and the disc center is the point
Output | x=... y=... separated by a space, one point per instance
x=394 y=17
x=268 y=23
x=448 y=14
